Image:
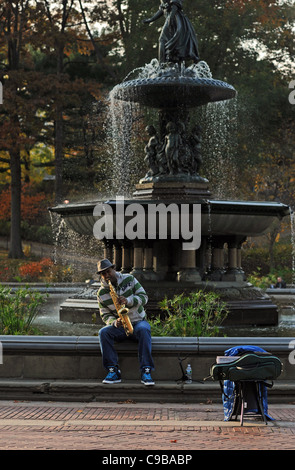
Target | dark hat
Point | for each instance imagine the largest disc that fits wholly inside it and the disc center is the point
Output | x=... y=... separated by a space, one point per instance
x=104 y=264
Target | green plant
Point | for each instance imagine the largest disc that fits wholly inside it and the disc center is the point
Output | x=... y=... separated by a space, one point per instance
x=18 y=310
x=263 y=282
x=198 y=314
x=257 y=259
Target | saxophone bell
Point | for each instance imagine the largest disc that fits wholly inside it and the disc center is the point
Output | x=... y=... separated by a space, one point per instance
x=124 y=310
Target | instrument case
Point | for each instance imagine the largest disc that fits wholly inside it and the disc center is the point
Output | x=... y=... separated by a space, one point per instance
x=249 y=366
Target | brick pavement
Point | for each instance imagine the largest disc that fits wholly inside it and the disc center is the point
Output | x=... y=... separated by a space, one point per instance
x=138 y=426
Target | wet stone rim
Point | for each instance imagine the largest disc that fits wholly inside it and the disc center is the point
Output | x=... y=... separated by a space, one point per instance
x=156 y=92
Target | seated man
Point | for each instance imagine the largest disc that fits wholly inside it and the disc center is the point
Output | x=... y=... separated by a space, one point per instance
x=131 y=294
x=280 y=283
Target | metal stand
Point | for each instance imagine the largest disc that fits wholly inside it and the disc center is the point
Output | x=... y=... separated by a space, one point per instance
x=184 y=376
x=249 y=398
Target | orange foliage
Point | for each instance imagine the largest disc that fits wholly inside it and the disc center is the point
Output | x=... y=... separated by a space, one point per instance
x=34 y=269
x=270 y=13
x=267 y=11
x=32 y=205
x=5 y=274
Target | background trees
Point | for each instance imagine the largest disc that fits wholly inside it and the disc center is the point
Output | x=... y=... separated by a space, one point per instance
x=59 y=59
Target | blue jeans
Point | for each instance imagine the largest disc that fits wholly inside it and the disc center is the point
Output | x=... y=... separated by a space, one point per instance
x=108 y=335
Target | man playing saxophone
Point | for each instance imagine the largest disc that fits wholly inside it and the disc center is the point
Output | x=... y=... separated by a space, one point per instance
x=125 y=290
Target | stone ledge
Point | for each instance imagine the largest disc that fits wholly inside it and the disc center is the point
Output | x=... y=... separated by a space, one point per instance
x=84 y=345
x=50 y=358
x=128 y=390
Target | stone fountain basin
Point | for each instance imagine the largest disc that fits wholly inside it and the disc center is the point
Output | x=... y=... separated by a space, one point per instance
x=238 y=218
x=173 y=91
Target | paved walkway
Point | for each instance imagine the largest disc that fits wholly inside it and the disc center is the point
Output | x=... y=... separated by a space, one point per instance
x=150 y=427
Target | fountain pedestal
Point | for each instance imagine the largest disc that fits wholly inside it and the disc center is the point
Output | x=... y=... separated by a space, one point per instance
x=171 y=190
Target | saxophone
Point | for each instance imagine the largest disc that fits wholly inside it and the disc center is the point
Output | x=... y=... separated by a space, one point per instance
x=122 y=311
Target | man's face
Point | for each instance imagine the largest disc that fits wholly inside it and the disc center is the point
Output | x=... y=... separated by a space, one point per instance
x=109 y=275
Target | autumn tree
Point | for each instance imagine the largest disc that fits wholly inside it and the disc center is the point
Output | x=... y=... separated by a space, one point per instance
x=39 y=46
x=274 y=180
x=19 y=113
x=76 y=56
x=251 y=45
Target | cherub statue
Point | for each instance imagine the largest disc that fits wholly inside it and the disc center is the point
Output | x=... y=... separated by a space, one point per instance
x=172 y=144
x=151 y=150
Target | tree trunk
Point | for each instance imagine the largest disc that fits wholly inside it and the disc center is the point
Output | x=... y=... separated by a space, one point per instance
x=59 y=130
x=58 y=143
x=15 y=230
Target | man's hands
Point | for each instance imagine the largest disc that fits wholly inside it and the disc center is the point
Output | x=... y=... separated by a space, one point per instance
x=117 y=323
x=122 y=300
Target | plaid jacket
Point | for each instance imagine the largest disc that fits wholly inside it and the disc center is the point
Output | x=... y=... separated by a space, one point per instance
x=129 y=287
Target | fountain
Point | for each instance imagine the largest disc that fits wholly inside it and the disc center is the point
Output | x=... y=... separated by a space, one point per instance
x=206 y=253
x=173 y=235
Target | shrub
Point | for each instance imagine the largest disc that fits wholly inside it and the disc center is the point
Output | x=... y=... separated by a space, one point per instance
x=44 y=235
x=34 y=233
x=18 y=310
x=263 y=282
x=5 y=274
x=8 y=267
x=59 y=273
x=33 y=203
x=198 y=314
x=255 y=257
x=34 y=270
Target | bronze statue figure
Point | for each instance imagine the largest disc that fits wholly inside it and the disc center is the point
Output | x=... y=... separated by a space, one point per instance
x=177 y=41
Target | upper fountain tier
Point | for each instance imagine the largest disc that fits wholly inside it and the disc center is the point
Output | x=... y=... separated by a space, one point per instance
x=172 y=86
x=173 y=153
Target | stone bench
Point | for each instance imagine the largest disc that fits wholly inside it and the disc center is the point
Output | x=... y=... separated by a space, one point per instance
x=70 y=367
x=79 y=357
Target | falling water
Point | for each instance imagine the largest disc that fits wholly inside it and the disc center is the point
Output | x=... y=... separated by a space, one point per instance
x=209 y=251
x=292 y=227
x=120 y=129
x=57 y=226
x=219 y=147
x=69 y=249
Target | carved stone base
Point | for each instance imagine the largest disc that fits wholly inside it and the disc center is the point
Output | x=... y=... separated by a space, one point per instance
x=172 y=190
x=236 y=275
x=189 y=275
